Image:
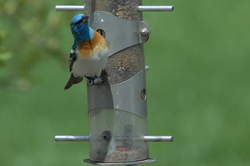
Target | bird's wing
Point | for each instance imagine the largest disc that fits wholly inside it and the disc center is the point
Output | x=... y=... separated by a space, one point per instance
x=72 y=56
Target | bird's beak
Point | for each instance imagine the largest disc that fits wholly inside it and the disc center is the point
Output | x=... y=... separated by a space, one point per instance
x=85 y=18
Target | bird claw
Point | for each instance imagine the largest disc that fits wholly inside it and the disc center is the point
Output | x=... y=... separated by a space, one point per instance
x=99 y=80
x=96 y=81
x=90 y=82
x=104 y=78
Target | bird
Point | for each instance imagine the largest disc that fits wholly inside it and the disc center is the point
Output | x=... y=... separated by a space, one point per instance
x=89 y=52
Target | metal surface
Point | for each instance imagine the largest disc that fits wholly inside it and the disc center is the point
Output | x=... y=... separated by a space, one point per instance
x=120 y=33
x=86 y=138
x=147 y=161
x=69 y=8
x=144 y=31
x=155 y=8
x=125 y=96
x=71 y=138
x=158 y=138
x=139 y=8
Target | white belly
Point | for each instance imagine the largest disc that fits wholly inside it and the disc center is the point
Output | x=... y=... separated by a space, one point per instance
x=92 y=66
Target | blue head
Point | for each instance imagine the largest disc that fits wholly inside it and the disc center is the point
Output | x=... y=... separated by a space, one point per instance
x=80 y=28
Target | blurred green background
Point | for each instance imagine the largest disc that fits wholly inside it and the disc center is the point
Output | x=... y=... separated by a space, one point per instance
x=197 y=86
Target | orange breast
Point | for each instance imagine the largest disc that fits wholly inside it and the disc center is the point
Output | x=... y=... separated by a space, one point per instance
x=86 y=49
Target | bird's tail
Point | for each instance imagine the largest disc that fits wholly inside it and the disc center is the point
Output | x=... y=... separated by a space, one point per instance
x=72 y=80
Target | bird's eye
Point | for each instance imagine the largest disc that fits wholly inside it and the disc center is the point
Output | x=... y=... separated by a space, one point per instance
x=78 y=22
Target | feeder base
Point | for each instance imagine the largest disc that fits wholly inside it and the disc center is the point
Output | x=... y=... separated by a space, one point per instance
x=124 y=163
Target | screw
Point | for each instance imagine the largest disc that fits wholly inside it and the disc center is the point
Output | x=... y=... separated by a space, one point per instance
x=145 y=32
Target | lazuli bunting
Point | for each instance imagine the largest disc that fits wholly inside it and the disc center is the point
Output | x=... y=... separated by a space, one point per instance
x=89 y=52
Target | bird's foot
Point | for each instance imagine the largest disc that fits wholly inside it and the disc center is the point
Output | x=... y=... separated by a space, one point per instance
x=90 y=80
x=104 y=76
x=97 y=80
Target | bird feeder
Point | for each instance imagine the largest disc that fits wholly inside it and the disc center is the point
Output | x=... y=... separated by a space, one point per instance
x=117 y=109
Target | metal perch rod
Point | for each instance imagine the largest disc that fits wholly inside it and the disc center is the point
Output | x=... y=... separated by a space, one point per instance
x=155 y=8
x=86 y=138
x=69 y=8
x=140 y=8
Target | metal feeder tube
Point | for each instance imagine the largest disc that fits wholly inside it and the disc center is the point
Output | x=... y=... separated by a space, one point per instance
x=117 y=109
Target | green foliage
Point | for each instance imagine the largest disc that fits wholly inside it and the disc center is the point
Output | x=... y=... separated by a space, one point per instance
x=197 y=85
x=31 y=32
x=4 y=53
